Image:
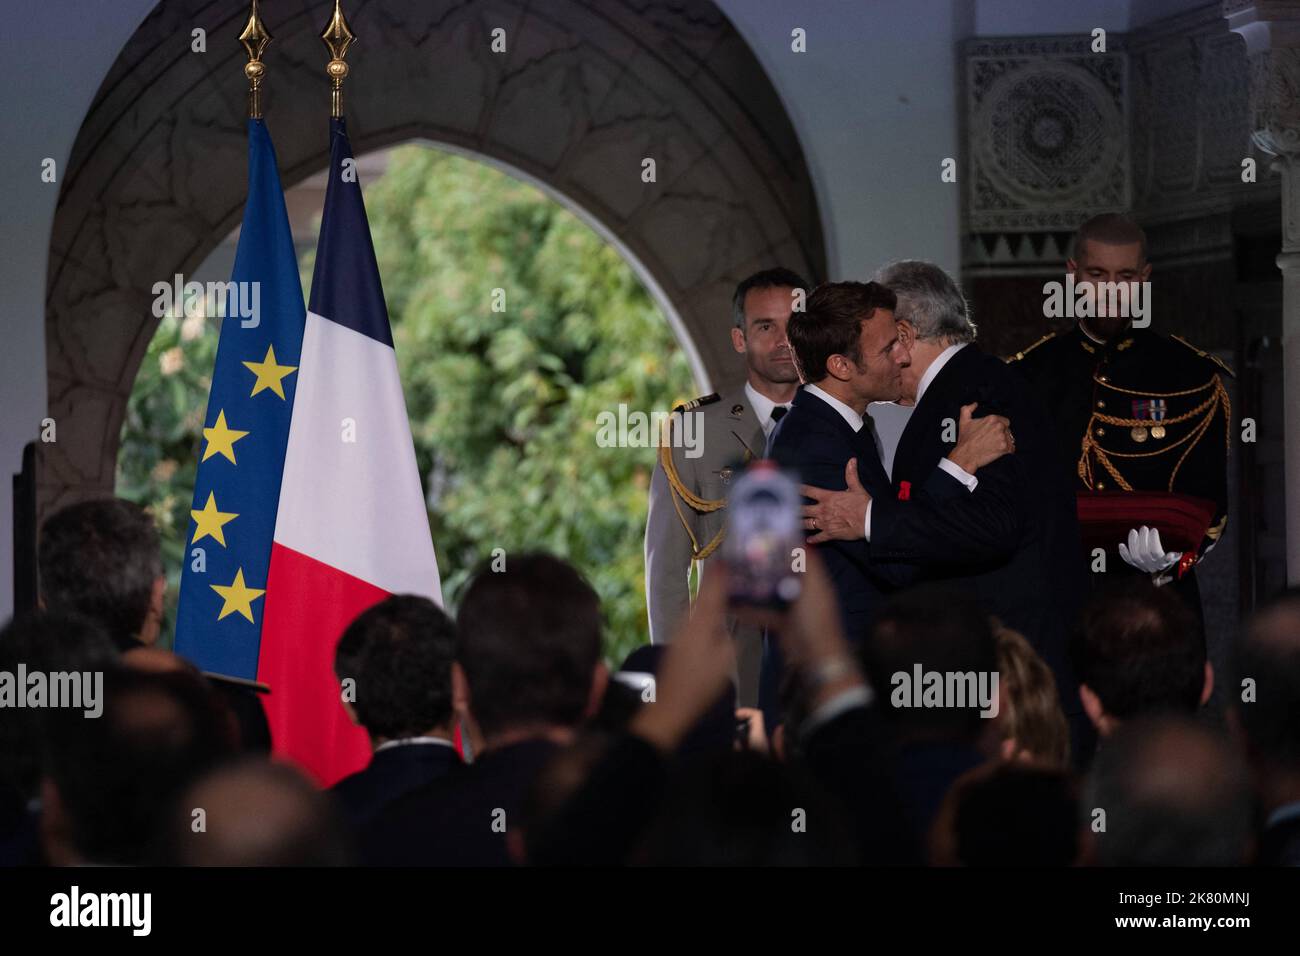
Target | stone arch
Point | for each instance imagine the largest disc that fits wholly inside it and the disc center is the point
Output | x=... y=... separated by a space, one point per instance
x=586 y=89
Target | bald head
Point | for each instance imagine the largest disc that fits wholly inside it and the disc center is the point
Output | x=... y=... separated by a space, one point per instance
x=1173 y=793
x=256 y=813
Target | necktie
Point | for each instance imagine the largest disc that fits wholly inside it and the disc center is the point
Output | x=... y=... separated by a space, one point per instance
x=778 y=413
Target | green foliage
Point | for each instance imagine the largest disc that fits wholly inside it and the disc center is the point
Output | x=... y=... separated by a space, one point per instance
x=159 y=452
x=503 y=404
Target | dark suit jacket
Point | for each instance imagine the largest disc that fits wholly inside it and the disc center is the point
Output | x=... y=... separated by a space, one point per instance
x=1012 y=543
x=608 y=815
x=450 y=822
x=815 y=442
x=392 y=773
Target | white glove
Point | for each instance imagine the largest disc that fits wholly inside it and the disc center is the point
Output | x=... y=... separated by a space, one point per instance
x=1146 y=553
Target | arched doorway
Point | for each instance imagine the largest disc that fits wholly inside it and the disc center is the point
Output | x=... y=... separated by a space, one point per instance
x=585 y=91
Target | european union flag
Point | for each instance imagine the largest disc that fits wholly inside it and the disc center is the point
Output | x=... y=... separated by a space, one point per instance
x=245 y=434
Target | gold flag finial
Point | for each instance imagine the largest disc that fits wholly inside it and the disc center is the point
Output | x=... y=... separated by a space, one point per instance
x=337 y=37
x=255 y=38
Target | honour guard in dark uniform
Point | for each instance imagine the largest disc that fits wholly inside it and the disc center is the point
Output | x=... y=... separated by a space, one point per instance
x=1135 y=410
x=688 y=491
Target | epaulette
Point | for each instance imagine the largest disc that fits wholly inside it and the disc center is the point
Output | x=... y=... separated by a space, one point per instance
x=1021 y=354
x=1206 y=355
x=698 y=402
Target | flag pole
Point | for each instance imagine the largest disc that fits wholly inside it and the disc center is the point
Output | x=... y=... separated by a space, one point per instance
x=337 y=37
x=255 y=39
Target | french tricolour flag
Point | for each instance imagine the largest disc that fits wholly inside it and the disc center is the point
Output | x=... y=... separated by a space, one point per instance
x=351 y=528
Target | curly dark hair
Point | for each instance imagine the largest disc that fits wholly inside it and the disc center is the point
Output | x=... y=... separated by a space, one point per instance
x=399 y=653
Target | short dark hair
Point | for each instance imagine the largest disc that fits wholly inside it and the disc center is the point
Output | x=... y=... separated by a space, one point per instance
x=114 y=774
x=46 y=641
x=1140 y=650
x=399 y=653
x=1113 y=229
x=100 y=559
x=832 y=322
x=942 y=630
x=529 y=640
x=1269 y=654
x=778 y=278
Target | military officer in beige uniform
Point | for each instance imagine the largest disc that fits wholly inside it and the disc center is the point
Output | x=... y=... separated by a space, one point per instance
x=690 y=485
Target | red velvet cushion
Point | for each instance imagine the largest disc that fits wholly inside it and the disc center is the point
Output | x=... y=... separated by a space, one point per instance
x=1106 y=517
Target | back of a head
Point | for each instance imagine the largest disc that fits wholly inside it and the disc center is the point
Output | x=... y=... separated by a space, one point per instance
x=1031 y=714
x=1268 y=654
x=930 y=300
x=742 y=809
x=115 y=774
x=48 y=642
x=399 y=654
x=1173 y=793
x=101 y=558
x=1140 y=651
x=938 y=631
x=294 y=824
x=529 y=641
x=1010 y=814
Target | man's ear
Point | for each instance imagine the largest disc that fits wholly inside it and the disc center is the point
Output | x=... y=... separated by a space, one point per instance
x=599 y=682
x=152 y=628
x=1071 y=266
x=906 y=333
x=1145 y=273
x=352 y=713
x=1092 y=707
x=1208 y=687
x=738 y=340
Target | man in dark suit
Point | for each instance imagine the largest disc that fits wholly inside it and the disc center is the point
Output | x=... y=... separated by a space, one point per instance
x=849 y=355
x=394 y=664
x=529 y=671
x=1012 y=542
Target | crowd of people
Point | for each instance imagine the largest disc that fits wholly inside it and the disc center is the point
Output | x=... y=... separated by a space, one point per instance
x=501 y=738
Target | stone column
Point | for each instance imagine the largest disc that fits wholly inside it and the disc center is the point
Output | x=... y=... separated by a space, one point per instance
x=1271 y=29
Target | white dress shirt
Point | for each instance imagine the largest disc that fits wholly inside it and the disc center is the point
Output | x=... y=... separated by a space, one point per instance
x=411 y=741
x=856 y=422
x=763 y=406
x=848 y=414
x=947 y=464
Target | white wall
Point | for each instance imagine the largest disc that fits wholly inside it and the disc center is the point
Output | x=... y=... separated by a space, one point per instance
x=1031 y=17
x=53 y=57
x=874 y=102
